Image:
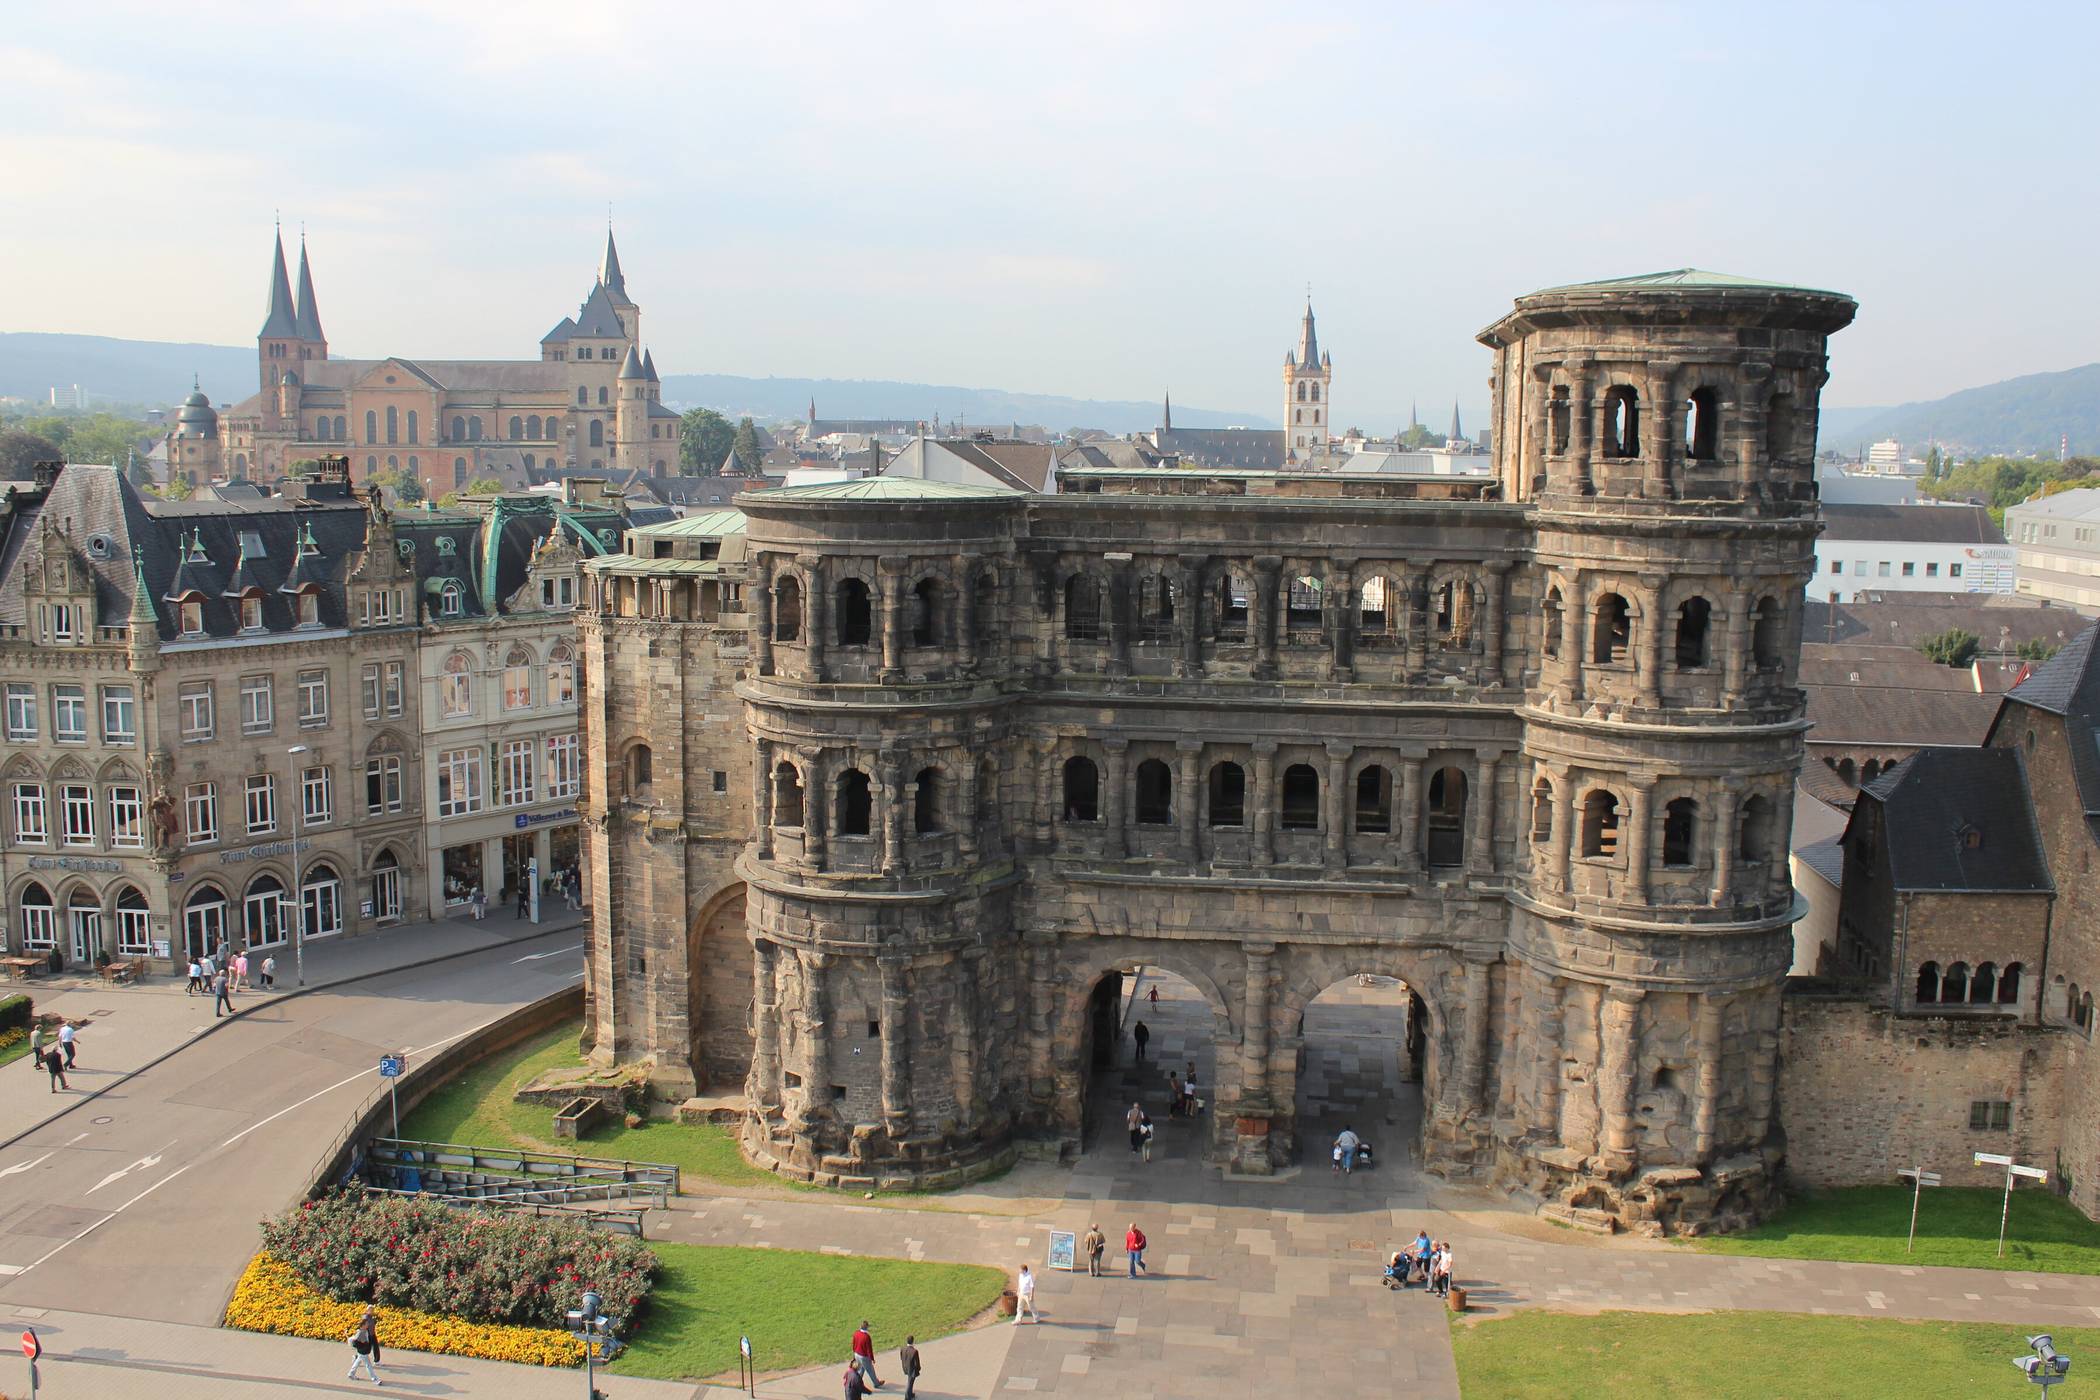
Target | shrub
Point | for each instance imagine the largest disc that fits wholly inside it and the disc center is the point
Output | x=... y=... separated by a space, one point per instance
x=271 y=1298
x=416 y=1252
x=16 y=1011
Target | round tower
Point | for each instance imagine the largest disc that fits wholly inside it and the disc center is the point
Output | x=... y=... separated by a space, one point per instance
x=1664 y=427
x=881 y=880
x=631 y=417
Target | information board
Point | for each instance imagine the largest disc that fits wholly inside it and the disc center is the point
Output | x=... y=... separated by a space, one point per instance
x=1064 y=1248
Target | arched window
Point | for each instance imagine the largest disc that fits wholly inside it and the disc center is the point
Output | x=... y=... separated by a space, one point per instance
x=1550 y=616
x=1559 y=417
x=459 y=472
x=1234 y=597
x=474 y=428
x=1301 y=798
x=412 y=437
x=452 y=599
x=532 y=427
x=1302 y=612
x=39 y=919
x=1082 y=790
x=321 y=902
x=1694 y=616
x=517 y=427
x=1374 y=621
x=204 y=921
x=1298 y=414
x=1600 y=825
x=1541 y=812
x=1702 y=428
x=1612 y=630
x=1764 y=636
x=1155 y=615
x=2009 y=984
x=561 y=675
x=134 y=922
x=1983 y=987
x=597 y=434
x=1228 y=795
x=855 y=803
x=1754 y=841
x=583 y=395
x=459 y=428
x=641 y=771
x=84 y=922
x=1316 y=398
x=517 y=679
x=1928 y=993
x=926 y=802
x=1082 y=608
x=263 y=912
x=1954 y=987
x=1781 y=419
x=1445 y=818
x=1155 y=794
x=1374 y=800
x=1301 y=393
x=926 y=613
x=1846 y=770
x=787 y=610
x=1622 y=421
x=787 y=794
x=371 y=426
x=1869 y=771
x=393 y=424
x=456 y=685
x=855 y=617
x=2085 y=1012
x=601 y=393
x=1680 y=820
x=1455 y=600
x=342 y=428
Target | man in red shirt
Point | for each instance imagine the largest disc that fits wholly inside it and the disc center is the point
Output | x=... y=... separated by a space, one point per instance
x=864 y=1354
x=1134 y=1246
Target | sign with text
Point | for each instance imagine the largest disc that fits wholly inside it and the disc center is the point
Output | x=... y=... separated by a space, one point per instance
x=1064 y=1249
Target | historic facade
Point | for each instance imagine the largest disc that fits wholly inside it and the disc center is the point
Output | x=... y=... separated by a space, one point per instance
x=889 y=780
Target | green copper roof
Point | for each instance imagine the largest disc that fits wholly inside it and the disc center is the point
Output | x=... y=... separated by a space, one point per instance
x=706 y=524
x=1690 y=278
x=884 y=488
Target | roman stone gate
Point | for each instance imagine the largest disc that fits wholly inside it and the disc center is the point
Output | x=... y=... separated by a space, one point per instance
x=1525 y=742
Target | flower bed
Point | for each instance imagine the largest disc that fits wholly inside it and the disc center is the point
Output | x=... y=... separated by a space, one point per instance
x=271 y=1298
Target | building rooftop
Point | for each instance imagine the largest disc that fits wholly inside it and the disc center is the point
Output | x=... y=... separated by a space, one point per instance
x=881 y=488
x=1962 y=820
x=2083 y=504
x=1912 y=524
x=1690 y=278
x=707 y=523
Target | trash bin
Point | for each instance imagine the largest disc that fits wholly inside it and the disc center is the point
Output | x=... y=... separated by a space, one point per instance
x=1457 y=1300
x=1009 y=1303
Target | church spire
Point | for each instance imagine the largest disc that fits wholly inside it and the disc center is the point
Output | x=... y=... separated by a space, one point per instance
x=1458 y=434
x=609 y=270
x=307 y=319
x=1167 y=412
x=1308 y=341
x=279 y=321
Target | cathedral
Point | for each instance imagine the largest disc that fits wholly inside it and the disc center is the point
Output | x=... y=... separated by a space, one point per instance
x=590 y=400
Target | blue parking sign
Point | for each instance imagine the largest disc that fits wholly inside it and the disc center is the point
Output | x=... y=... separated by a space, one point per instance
x=389 y=1066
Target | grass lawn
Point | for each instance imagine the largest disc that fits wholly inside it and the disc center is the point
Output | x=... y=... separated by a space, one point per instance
x=798 y=1308
x=477 y=1108
x=1957 y=1226
x=16 y=1051
x=1536 y=1355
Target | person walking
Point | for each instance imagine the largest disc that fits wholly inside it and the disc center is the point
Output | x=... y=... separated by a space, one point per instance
x=478 y=904
x=524 y=900
x=269 y=973
x=240 y=971
x=1145 y=1138
x=908 y=1363
x=54 y=1062
x=1441 y=1275
x=1096 y=1246
x=223 y=954
x=208 y=969
x=36 y=1041
x=1024 y=1290
x=196 y=985
x=364 y=1348
x=222 y=995
x=1345 y=1145
x=1154 y=994
x=1173 y=1093
x=856 y=1388
x=1190 y=1104
x=1134 y=1248
x=864 y=1355
x=568 y=888
x=1141 y=1033
x=67 y=1034
x=1135 y=1122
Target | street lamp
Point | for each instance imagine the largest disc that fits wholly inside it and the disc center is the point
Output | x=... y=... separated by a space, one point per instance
x=2046 y=1367
x=299 y=910
x=589 y=1324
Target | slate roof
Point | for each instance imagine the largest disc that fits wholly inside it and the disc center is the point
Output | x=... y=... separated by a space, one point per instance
x=2001 y=626
x=563 y=329
x=1907 y=668
x=308 y=316
x=2058 y=684
x=2068 y=685
x=279 y=319
x=1826 y=858
x=1911 y=524
x=1931 y=799
x=2082 y=504
x=1689 y=278
x=599 y=316
x=1254 y=449
x=1866 y=714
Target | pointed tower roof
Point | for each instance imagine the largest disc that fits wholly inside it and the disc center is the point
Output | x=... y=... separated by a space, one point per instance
x=631 y=367
x=609 y=274
x=1414 y=420
x=1458 y=434
x=812 y=408
x=1308 y=341
x=649 y=367
x=280 y=319
x=599 y=317
x=1166 y=411
x=307 y=319
x=143 y=618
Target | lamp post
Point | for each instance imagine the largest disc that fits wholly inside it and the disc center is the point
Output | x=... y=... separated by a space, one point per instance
x=589 y=1324
x=2046 y=1367
x=2012 y=1170
x=299 y=915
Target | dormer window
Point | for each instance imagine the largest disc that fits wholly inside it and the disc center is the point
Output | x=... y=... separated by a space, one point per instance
x=60 y=623
x=251 y=612
x=309 y=608
x=191 y=614
x=1971 y=838
x=451 y=599
x=558 y=593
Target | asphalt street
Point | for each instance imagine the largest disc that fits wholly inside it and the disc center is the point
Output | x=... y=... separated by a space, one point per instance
x=145 y=1202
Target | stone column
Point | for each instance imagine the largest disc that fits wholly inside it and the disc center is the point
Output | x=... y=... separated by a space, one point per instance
x=896 y=1047
x=1582 y=410
x=1339 y=599
x=1707 y=1032
x=891 y=794
x=1337 y=805
x=1552 y=1014
x=1254 y=1058
x=816 y=609
x=1563 y=827
x=1041 y=963
x=1408 y=826
x=1480 y=841
x=1764 y=1068
x=1047 y=794
x=1472 y=1063
x=1571 y=640
x=816 y=807
x=1619 y=1038
x=966 y=809
x=968 y=973
x=816 y=1039
x=889 y=579
x=1493 y=583
x=764 y=1085
x=965 y=614
x=1119 y=611
x=1417 y=584
x=1538 y=432
x=1266 y=577
x=1735 y=653
x=1666 y=410
x=762 y=795
x=1648 y=655
x=1188 y=784
x=1114 y=799
x=763 y=593
x=1727 y=816
x=1189 y=621
x=1264 y=798
x=1640 y=797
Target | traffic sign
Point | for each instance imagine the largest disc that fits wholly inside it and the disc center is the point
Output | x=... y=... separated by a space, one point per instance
x=390 y=1066
x=31 y=1347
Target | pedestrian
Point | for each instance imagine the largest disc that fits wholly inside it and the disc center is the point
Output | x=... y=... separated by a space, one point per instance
x=36 y=1041
x=1096 y=1246
x=1141 y=1033
x=1345 y=1145
x=524 y=900
x=1418 y=1253
x=67 y=1032
x=1154 y=994
x=1145 y=1139
x=856 y=1389
x=54 y=1062
x=575 y=888
x=1173 y=1093
x=207 y=970
x=240 y=971
x=196 y=979
x=1191 y=1105
x=1024 y=1290
x=864 y=1355
x=225 y=951
x=908 y=1363
x=478 y=904
x=222 y=996
x=269 y=972
x=1134 y=1248
x=364 y=1347
x=1135 y=1122
x=1443 y=1270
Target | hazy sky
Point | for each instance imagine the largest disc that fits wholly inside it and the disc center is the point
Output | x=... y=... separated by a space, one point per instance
x=1099 y=199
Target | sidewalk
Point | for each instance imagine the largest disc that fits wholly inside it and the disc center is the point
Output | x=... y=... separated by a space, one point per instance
x=125 y=1028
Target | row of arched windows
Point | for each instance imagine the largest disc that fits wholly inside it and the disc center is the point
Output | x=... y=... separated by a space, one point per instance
x=1957 y=985
x=1612 y=631
x=79 y=926
x=853 y=801
x=1600 y=836
x=456 y=680
x=926 y=618
x=1303 y=385
x=1620 y=427
x=327 y=429
x=583 y=395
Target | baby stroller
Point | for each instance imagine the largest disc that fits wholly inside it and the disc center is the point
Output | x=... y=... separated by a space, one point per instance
x=1399 y=1270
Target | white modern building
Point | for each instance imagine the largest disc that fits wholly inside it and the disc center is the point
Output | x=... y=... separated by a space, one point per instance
x=2057 y=539
x=1919 y=549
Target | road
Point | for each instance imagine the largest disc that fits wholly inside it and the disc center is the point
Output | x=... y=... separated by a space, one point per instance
x=144 y=1203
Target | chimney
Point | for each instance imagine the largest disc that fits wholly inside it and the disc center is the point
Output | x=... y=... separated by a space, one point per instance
x=583 y=490
x=46 y=474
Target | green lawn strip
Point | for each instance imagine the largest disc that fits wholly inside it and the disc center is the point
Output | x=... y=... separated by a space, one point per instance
x=1540 y=1355
x=14 y=1052
x=1957 y=1227
x=798 y=1308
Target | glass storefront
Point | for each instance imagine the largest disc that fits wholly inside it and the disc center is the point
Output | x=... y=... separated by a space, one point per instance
x=565 y=849
x=462 y=869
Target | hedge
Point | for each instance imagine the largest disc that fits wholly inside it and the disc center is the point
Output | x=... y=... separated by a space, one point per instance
x=16 y=1011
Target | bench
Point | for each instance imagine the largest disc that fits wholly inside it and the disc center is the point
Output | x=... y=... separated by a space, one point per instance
x=124 y=970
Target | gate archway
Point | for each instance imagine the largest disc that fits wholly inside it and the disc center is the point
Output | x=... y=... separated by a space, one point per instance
x=719 y=980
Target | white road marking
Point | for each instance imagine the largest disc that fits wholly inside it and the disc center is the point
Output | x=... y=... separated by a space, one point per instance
x=361 y=1074
x=25 y=1166
x=140 y=1165
x=75 y=1138
x=535 y=957
x=107 y=1218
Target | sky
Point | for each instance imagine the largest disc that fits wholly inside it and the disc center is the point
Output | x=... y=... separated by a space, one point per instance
x=1107 y=200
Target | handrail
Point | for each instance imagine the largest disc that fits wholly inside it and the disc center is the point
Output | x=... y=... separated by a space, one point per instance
x=523 y=1155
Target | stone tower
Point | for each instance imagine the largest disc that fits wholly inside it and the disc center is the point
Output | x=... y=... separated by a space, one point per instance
x=1664 y=428
x=631 y=424
x=1307 y=376
x=291 y=331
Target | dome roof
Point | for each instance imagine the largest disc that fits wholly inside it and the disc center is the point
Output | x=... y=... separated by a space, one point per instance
x=196 y=417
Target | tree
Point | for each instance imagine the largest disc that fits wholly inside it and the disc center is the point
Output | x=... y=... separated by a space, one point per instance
x=1953 y=647
x=748 y=454
x=2036 y=650
x=704 y=438
x=1418 y=437
x=21 y=450
x=178 y=488
x=484 y=486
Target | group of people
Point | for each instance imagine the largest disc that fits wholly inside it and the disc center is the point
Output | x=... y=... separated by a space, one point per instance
x=58 y=1057
x=1096 y=1244
x=860 y=1375
x=569 y=881
x=222 y=972
x=1426 y=1259
x=1183 y=1099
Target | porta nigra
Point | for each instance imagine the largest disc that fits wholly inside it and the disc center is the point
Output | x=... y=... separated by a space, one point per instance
x=891 y=781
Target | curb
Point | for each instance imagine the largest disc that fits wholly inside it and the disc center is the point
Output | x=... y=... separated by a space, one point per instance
x=220 y=1022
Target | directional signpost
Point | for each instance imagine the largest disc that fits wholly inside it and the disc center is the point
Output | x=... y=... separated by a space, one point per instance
x=390 y=1067
x=1919 y=1179
x=2012 y=1170
x=746 y=1368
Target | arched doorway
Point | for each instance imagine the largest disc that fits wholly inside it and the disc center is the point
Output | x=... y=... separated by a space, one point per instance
x=719 y=967
x=1182 y=1024
x=1362 y=1065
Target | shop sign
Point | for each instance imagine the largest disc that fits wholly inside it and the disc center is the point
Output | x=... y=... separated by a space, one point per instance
x=526 y=819
x=80 y=863
x=264 y=851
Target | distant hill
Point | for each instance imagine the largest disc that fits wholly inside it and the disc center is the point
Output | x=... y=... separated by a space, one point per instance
x=736 y=396
x=123 y=371
x=2030 y=414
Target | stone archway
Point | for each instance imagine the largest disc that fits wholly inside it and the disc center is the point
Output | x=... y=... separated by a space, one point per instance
x=719 y=992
